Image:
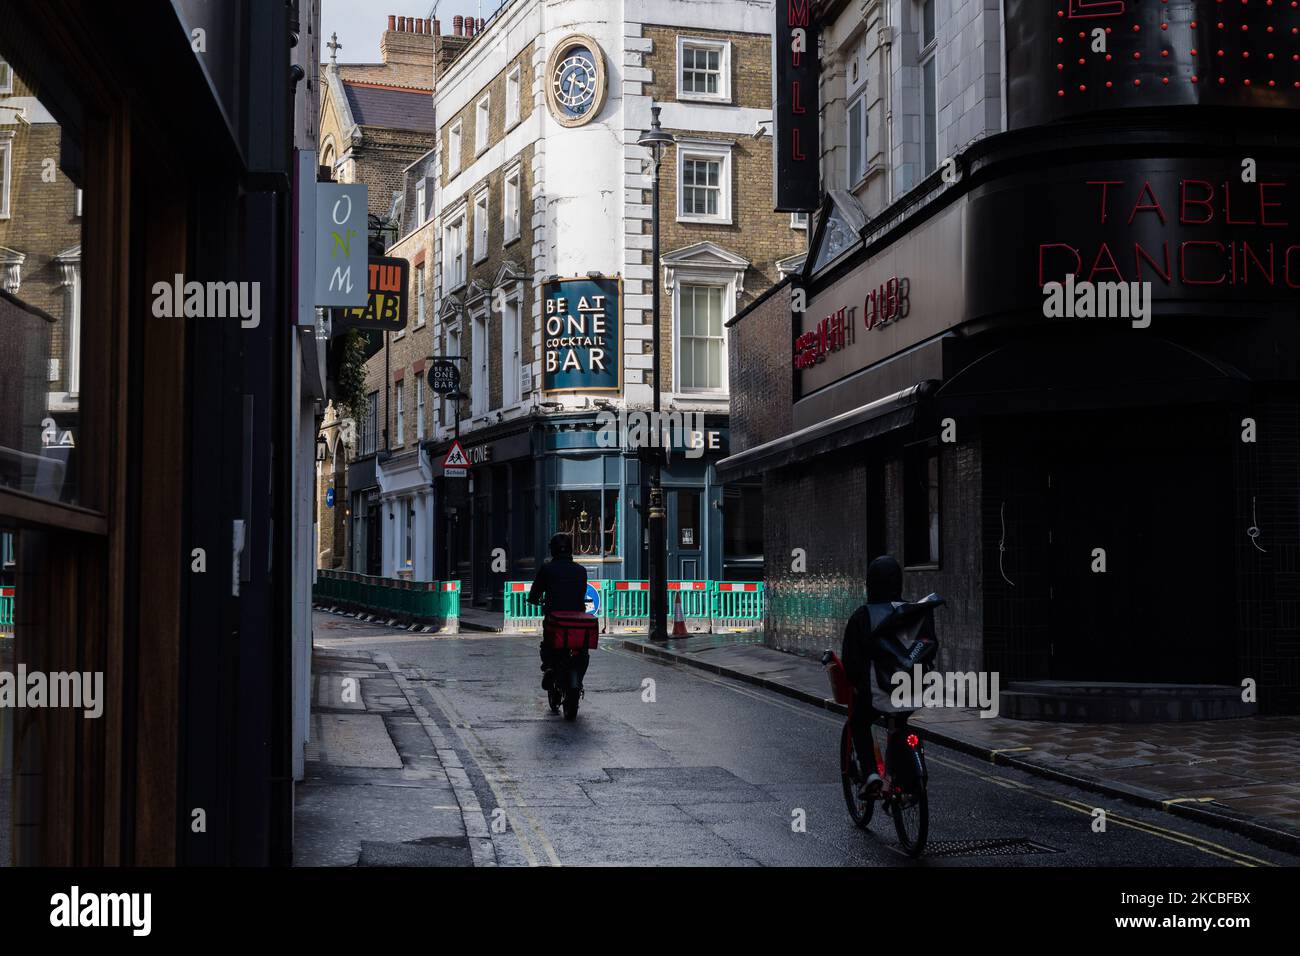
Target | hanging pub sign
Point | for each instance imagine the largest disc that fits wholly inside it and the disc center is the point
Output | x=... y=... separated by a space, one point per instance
x=385 y=307
x=444 y=378
x=795 y=184
x=580 y=335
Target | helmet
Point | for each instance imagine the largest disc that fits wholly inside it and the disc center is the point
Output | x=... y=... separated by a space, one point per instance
x=561 y=546
x=884 y=580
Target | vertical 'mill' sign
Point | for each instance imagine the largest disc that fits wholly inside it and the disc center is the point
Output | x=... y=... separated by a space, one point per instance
x=796 y=184
x=342 y=245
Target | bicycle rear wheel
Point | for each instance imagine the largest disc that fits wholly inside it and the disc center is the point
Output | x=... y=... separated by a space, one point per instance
x=911 y=812
x=850 y=776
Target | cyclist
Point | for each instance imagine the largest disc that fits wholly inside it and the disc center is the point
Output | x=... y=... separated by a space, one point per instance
x=867 y=643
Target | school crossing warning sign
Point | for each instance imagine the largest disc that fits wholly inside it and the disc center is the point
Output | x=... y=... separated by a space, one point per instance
x=456 y=461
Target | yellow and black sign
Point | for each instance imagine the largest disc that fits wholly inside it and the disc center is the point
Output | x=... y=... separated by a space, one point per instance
x=385 y=308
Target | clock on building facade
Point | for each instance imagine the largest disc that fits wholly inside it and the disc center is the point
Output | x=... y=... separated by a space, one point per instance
x=575 y=80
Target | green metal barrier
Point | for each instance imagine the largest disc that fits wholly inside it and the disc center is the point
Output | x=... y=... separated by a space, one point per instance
x=736 y=606
x=627 y=607
x=6 y=611
x=434 y=603
x=519 y=615
x=695 y=598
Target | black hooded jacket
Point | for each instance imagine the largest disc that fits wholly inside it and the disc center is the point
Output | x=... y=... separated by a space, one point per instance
x=864 y=635
x=561 y=585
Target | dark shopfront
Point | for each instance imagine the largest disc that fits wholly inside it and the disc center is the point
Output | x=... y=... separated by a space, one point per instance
x=1098 y=499
x=559 y=474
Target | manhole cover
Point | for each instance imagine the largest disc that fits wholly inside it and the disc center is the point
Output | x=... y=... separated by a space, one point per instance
x=1008 y=846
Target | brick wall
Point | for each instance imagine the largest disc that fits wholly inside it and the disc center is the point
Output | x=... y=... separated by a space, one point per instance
x=467 y=116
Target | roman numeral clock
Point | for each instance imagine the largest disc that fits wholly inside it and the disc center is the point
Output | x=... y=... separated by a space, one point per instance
x=575 y=80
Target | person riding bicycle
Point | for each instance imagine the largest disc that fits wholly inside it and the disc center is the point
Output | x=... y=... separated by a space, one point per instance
x=560 y=585
x=870 y=641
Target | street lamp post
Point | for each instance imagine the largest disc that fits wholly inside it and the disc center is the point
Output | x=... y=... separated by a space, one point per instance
x=656 y=140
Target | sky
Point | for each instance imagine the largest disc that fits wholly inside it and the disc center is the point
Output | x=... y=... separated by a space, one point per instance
x=360 y=23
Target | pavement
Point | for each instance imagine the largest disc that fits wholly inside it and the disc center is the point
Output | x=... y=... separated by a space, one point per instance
x=480 y=619
x=1241 y=774
x=667 y=764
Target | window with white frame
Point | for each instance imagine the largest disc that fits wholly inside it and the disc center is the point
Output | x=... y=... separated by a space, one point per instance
x=482 y=123
x=453 y=149
x=513 y=201
x=798 y=220
x=6 y=77
x=76 y=205
x=419 y=295
x=703 y=182
x=479 y=348
x=511 y=352
x=6 y=172
x=481 y=226
x=701 y=346
x=419 y=203
x=454 y=252
x=513 y=84
x=419 y=406
x=928 y=40
x=450 y=403
x=703 y=70
x=399 y=418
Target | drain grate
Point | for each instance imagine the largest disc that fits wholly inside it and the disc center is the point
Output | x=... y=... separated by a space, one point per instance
x=1007 y=846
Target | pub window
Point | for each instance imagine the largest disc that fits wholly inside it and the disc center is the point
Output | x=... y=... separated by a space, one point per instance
x=701 y=348
x=703 y=70
x=929 y=90
x=453 y=149
x=704 y=182
x=591 y=519
x=921 y=505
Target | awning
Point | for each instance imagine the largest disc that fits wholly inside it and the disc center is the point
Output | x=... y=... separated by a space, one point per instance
x=848 y=428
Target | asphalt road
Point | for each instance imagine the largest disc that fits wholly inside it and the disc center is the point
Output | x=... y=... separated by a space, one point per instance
x=715 y=772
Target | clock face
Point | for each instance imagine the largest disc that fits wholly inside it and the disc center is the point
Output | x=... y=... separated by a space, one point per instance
x=575 y=79
x=575 y=88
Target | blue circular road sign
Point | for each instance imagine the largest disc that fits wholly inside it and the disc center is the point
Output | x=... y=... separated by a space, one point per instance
x=593 y=600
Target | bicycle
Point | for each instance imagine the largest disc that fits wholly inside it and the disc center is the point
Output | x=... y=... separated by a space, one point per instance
x=902 y=768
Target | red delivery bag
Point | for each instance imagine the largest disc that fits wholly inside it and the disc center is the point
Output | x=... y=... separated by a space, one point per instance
x=571 y=631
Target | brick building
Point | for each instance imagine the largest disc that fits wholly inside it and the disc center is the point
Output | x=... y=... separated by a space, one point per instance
x=1087 y=490
x=535 y=195
x=376 y=123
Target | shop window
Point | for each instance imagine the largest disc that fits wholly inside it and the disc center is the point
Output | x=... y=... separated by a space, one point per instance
x=591 y=519
x=921 y=505
x=742 y=532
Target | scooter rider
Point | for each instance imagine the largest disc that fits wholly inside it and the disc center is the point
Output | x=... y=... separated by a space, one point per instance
x=561 y=585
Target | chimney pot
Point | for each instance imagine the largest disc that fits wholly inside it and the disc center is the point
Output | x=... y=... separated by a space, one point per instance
x=419 y=26
x=392 y=23
x=458 y=25
x=479 y=27
x=437 y=28
x=469 y=27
